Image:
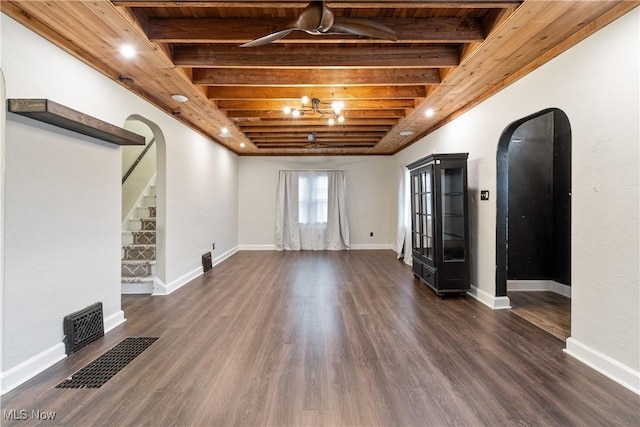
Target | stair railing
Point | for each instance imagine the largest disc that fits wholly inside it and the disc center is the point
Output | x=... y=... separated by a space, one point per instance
x=133 y=166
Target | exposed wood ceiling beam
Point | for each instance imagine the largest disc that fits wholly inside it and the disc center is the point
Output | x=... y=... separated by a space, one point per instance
x=303 y=138
x=343 y=93
x=331 y=133
x=356 y=104
x=255 y=77
x=321 y=128
x=416 y=4
x=246 y=115
x=311 y=146
x=315 y=121
x=292 y=57
x=237 y=30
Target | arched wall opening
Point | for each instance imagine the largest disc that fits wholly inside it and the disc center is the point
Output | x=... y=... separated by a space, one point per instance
x=146 y=168
x=533 y=227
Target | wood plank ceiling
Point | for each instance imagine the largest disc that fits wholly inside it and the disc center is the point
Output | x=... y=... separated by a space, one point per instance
x=450 y=55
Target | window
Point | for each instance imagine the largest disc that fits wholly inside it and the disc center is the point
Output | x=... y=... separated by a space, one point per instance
x=313 y=197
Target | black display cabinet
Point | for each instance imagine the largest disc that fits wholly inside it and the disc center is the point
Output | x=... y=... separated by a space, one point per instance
x=440 y=222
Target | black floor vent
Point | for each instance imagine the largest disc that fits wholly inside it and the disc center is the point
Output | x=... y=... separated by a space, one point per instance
x=207 y=263
x=83 y=327
x=101 y=370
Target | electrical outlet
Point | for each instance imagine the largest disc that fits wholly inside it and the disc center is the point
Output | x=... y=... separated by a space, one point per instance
x=371 y=234
x=484 y=194
x=213 y=246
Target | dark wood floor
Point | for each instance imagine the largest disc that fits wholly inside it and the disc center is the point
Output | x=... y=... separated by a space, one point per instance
x=328 y=338
x=547 y=310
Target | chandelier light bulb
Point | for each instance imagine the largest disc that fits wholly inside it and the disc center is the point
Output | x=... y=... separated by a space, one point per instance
x=314 y=106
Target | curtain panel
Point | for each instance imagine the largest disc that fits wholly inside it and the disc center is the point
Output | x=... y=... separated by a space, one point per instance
x=403 y=239
x=311 y=211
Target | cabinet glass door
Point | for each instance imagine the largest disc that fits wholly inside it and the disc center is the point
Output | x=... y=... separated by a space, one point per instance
x=415 y=208
x=453 y=221
x=426 y=185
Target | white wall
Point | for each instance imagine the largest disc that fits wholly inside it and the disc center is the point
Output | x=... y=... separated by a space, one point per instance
x=596 y=85
x=369 y=189
x=64 y=199
x=202 y=204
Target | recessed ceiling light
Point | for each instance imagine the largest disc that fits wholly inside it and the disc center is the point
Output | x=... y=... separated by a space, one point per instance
x=242 y=145
x=224 y=133
x=128 y=51
x=406 y=133
x=429 y=112
x=179 y=98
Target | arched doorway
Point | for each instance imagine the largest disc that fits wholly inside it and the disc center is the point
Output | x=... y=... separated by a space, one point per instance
x=533 y=232
x=143 y=210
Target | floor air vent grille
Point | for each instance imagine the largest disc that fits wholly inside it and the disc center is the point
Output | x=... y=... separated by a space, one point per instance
x=83 y=327
x=101 y=370
x=207 y=263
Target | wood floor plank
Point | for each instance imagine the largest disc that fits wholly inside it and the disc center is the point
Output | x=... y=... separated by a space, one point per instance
x=327 y=339
x=547 y=310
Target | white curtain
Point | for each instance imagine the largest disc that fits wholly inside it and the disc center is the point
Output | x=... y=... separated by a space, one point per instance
x=337 y=223
x=311 y=212
x=403 y=240
x=287 y=224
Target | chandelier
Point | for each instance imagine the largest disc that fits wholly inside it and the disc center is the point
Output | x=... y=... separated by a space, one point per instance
x=309 y=107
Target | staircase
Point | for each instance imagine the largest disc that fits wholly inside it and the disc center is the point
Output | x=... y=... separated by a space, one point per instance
x=139 y=246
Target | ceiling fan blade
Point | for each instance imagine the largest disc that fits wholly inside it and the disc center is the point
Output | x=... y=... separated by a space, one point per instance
x=326 y=20
x=311 y=19
x=268 y=38
x=362 y=27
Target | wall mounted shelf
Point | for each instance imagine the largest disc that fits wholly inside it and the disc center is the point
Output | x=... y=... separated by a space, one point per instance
x=55 y=114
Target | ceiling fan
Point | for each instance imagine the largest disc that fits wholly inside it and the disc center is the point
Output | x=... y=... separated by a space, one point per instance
x=315 y=144
x=318 y=19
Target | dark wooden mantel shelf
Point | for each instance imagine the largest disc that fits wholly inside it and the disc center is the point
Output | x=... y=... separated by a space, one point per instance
x=48 y=111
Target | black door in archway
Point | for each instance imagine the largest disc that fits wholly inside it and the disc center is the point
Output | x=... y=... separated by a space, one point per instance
x=533 y=232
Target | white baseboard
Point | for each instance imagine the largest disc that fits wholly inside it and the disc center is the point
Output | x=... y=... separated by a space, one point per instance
x=493 y=302
x=257 y=247
x=217 y=260
x=137 y=288
x=116 y=319
x=370 y=246
x=32 y=367
x=619 y=372
x=353 y=247
x=539 y=285
x=159 y=288
x=44 y=360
